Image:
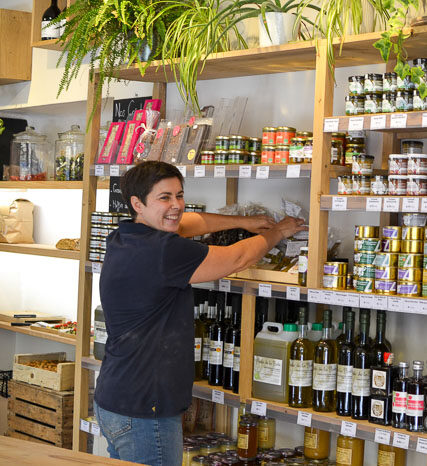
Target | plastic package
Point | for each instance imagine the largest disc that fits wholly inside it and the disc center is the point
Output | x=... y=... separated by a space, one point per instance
x=146 y=137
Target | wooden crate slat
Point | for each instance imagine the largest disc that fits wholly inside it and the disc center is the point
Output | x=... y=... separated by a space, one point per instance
x=29 y=438
x=39 y=430
x=39 y=395
x=62 y=419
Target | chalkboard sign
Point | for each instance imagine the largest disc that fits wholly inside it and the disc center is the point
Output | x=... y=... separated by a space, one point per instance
x=116 y=202
x=123 y=109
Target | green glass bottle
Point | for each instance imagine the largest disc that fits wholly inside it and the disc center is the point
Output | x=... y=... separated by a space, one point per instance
x=198 y=344
x=341 y=338
x=325 y=368
x=381 y=344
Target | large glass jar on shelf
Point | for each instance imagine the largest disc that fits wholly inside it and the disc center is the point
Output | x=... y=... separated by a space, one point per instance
x=69 y=155
x=30 y=157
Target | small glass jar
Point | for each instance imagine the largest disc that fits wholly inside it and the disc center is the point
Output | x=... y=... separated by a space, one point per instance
x=304 y=134
x=308 y=150
x=359 y=104
x=247 y=438
x=238 y=143
x=281 y=154
x=373 y=83
x=398 y=164
x=388 y=104
x=302 y=266
x=268 y=154
x=389 y=82
x=69 y=155
x=403 y=84
x=363 y=164
x=221 y=157
x=417 y=185
x=284 y=134
x=336 y=151
x=379 y=185
x=397 y=185
x=222 y=143
x=356 y=85
x=269 y=135
x=350 y=451
x=254 y=158
x=266 y=433
x=349 y=105
x=316 y=443
x=361 y=185
x=422 y=63
x=417 y=101
x=296 y=150
x=236 y=157
x=412 y=147
x=417 y=164
x=188 y=453
x=255 y=144
x=345 y=185
x=207 y=157
x=391 y=455
x=373 y=102
x=404 y=102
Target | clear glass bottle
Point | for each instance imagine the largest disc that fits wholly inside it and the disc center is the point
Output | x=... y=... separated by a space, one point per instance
x=400 y=397
x=69 y=155
x=415 y=403
x=302 y=266
x=350 y=451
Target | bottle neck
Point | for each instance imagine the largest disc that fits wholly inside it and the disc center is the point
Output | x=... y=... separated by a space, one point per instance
x=349 y=334
x=54 y=3
x=363 y=335
x=403 y=373
x=236 y=319
x=418 y=374
x=196 y=313
x=327 y=333
x=303 y=331
x=380 y=336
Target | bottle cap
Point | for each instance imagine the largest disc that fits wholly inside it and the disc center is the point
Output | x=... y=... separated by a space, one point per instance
x=403 y=365
x=290 y=328
x=349 y=318
x=418 y=365
x=317 y=326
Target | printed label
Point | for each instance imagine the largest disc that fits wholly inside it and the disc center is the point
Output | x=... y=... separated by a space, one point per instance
x=361 y=382
x=206 y=348
x=262 y=434
x=344 y=378
x=197 y=349
x=300 y=373
x=228 y=354
x=216 y=353
x=243 y=441
x=51 y=32
x=268 y=370
x=324 y=376
x=377 y=408
x=415 y=406
x=399 y=402
x=386 y=458
x=100 y=332
x=310 y=440
x=344 y=456
x=236 y=359
x=302 y=264
x=379 y=380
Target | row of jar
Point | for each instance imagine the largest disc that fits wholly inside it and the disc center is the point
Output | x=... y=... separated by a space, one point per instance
x=378 y=185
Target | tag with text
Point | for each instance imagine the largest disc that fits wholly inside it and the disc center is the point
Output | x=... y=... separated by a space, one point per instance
x=199 y=171
x=339 y=203
x=398 y=120
x=262 y=172
x=382 y=436
x=378 y=122
x=293 y=293
x=225 y=285
x=400 y=440
x=313 y=296
x=304 y=419
x=84 y=425
x=99 y=170
x=114 y=170
x=355 y=123
x=219 y=171
x=259 y=408
x=264 y=290
x=380 y=302
x=424 y=120
x=94 y=429
x=366 y=301
x=348 y=428
x=424 y=204
x=410 y=204
x=218 y=397
x=422 y=445
x=391 y=204
x=374 y=204
x=245 y=171
x=331 y=125
x=96 y=267
x=293 y=171
x=182 y=169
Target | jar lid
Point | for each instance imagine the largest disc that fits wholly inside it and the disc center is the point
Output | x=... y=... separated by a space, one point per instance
x=304 y=133
x=373 y=76
x=255 y=139
x=417 y=156
x=304 y=248
x=397 y=156
x=356 y=78
x=73 y=132
x=222 y=152
x=379 y=177
x=29 y=135
x=364 y=156
x=256 y=153
x=282 y=146
x=286 y=128
x=290 y=328
x=222 y=137
x=338 y=135
x=269 y=128
x=207 y=152
x=236 y=136
x=389 y=95
x=390 y=75
x=268 y=147
x=298 y=139
x=415 y=143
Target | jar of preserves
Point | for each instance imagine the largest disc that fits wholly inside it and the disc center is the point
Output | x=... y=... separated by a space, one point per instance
x=361 y=184
x=363 y=164
x=267 y=154
x=255 y=144
x=391 y=455
x=356 y=85
x=247 y=437
x=308 y=150
x=349 y=105
x=352 y=150
x=200 y=460
x=266 y=433
x=336 y=151
x=388 y=104
x=281 y=153
x=237 y=156
x=296 y=150
x=303 y=266
x=222 y=143
x=284 y=134
x=417 y=164
x=269 y=135
x=207 y=157
x=416 y=185
x=403 y=84
x=69 y=155
x=345 y=184
x=404 y=101
x=397 y=185
x=373 y=83
x=316 y=443
x=412 y=147
x=359 y=105
x=221 y=157
x=389 y=82
x=398 y=164
x=254 y=158
x=238 y=142
x=417 y=102
x=379 y=185
x=350 y=451
x=422 y=63
x=373 y=102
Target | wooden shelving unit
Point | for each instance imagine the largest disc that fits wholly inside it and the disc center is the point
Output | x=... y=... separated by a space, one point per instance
x=367 y=203
x=39 y=7
x=39 y=250
x=35 y=333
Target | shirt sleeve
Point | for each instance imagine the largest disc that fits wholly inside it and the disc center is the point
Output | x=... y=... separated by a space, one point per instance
x=179 y=259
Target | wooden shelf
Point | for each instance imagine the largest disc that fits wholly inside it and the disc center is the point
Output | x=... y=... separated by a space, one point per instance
x=47 y=45
x=201 y=389
x=39 y=250
x=24 y=185
x=359 y=203
x=35 y=333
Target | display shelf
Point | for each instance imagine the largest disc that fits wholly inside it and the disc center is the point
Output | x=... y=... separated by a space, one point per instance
x=24 y=185
x=203 y=390
x=373 y=203
x=38 y=334
x=51 y=44
x=39 y=250
x=39 y=7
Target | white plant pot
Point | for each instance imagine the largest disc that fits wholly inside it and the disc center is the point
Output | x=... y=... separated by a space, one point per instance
x=280 y=27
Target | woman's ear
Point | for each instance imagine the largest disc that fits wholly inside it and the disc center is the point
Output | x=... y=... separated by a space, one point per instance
x=137 y=204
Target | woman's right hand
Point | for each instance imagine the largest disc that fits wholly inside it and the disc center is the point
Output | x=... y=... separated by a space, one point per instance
x=290 y=225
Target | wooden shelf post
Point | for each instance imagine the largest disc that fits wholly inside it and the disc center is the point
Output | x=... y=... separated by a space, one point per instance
x=247 y=347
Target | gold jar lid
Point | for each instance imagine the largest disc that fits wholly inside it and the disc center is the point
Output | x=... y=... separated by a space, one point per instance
x=286 y=128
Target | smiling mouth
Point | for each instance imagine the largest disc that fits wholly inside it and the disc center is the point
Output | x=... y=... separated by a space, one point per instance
x=172 y=217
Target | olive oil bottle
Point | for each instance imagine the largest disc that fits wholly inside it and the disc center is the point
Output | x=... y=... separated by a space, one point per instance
x=380 y=345
x=198 y=339
x=325 y=368
x=216 y=338
x=341 y=338
x=207 y=322
x=232 y=336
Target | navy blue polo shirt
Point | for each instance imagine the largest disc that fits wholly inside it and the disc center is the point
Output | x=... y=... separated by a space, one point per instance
x=148 y=367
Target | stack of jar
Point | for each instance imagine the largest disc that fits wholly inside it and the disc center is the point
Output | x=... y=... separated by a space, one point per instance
x=386 y=93
x=361 y=182
x=233 y=149
x=285 y=144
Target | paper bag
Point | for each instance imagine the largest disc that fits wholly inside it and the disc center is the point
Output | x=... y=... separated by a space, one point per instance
x=16 y=222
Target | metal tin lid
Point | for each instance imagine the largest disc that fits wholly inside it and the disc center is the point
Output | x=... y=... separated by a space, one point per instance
x=222 y=137
x=255 y=139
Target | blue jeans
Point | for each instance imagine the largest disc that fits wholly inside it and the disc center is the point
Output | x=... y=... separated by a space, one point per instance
x=155 y=442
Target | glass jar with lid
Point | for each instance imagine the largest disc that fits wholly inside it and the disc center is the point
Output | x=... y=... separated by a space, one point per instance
x=30 y=158
x=188 y=453
x=266 y=433
x=247 y=439
x=316 y=443
x=69 y=155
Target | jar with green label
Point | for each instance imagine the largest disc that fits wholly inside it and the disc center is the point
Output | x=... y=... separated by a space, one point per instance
x=349 y=105
x=373 y=102
x=417 y=102
x=389 y=82
x=353 y=150
x=388 y=104
x=296 y=150
x=404 y=102
x=356 y=85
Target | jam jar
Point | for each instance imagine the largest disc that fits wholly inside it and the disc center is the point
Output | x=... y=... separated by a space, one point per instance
x=349 y=105
x=284 y=134
x=356 y=85
x=269 y=135
x=389 y=82
x=238 y=142
x=417 y=164
x=351 y=151
x=398 y=164
x=222 y=143
x=417 y=102
x=373 y=83
x=363 y=164
x=361 y=185
x=373 y=102
x=296 y=150
x=268 y=154
x=404 y=102
x=255 y=144
x=221 y=157
x=379 y=185
x=345 y=184
x=359 y=104
x=337 y=151
x=412 y=147
x=247 y=437
x=388 y=104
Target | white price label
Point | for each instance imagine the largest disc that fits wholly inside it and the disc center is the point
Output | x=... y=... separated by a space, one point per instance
x=219 y=171
x=356 y=124
x=398 y=120
x=245 y=171
x=331 y=125
x=262 y=172
x=374 y=204
x=94 y=429
x=339 y=203
x=293 y=171
x=422 y=306
x=391 y=204
x=424 y=120
x=348 y=429
x=225 y=285
x=85 y=425
x=114 y=170
x=313 y=296
x=394 y=304
x=218 y=397
x=304 y=419
x=96 y=267
x=410 y=305
x=410 y=204
x=353 y=300
x=378 y=122
x=424 y=204
x=422 y=445
x=259 y=408
x=99 y=170
x=343 y=299
x=382 y=436
x=264 y=290
x=199 y=171
x=182 y=169
x=293 y=293
x=328 y=297
x=400 y=440
x=380 y=302
x=366 y=301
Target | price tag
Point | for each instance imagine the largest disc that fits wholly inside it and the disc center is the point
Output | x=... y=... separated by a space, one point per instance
x=313 y=296
x=398 y=120
x=400 y=440
x=94 y=429
x=182 y=169
x=355 y=124
x=331 y=125
x=422 y=445
x=410 y=305
x=245 y=171
x=353 y=300
x=219 y=171
x=328 y=297
x=382 y=436
x=422 y=306
x=96 y=267
x=391 y=204
x=366 y=301
x=339 y=203
x=410 y=204
x=378 y=122
x=264 y=290
x=114 y=170
x=424 y=120
x=84 y=425
x=424 y=204
x=348 y=428
x=259 y=408
x=320 y=297
x=218 y=397
x=262 y=172
x=225 y=285
x=293 y=171
x=293 y=293
x=99 y=170
x=380 y=302
x=304 y=419
x=199 y=171
x=394 y=304
x=374 y=204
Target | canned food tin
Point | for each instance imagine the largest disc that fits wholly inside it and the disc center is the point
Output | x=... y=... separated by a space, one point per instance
x=364 y=258
x=97 y=242
x=366 y=231
x=349 y=283
x=95 y=255
x=361 y=184
x=409 y=275
x=397 y=185
x=397 y=164
x=367 y=245
x=335 y=268
x=379 y=185
x=96 y=217
x=410 y=261
x=267 y=154
x=364 y=271
x=385 y=287
x=386 y=273
x=417 y=164
x=284 y=134
x=268 y=135
x=424 y=290
x=334 y=282
x=221 y=157
x=385 y=259
x=408 y=289
x=412 y=246
x=364 y=285
x=392 y=232
x=390 y=245
x=417 y=185
x=363 y=164
x=413 y=233
x=345 y=185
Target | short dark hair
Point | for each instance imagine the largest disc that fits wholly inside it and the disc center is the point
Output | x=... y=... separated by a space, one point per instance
x=140 y=179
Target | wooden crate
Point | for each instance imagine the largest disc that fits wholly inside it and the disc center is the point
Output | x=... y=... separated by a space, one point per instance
x=40 y=415
x=254 y=273
x=62 y=379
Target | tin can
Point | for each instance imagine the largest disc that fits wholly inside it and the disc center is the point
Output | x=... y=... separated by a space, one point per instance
x=95 y=255
x=367 y=245
x=335 y=268
x=364 y=271
x=345 y=185
x=349 y=282
x=364 y=258
x=379 y=185
x=392 y=232
x=387 y=287
x=386 y=273
x=409 y=289
x=267 y=154
x=361 y=185
x=409 y=275
x=284 y=134
x=390 y=245
x=412 y=246
x=268 y=135
x=222 y=143
x=364 y=285
x=409 y=261
x=413 y=233
x=281 y=154
x=424 y=290
x=335 y=282
x=221 y=157
x=385 y=259
x=366 y=231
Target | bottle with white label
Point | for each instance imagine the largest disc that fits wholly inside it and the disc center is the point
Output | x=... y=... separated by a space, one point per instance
x=301 y=365
x=208 y=320
x=216 y=338
x=400 y=397
x=198 y=338
x=232 y=336
x=415 y=403
x=50 y=32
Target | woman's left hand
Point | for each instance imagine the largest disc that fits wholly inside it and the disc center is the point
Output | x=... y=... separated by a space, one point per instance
x=258 y=223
